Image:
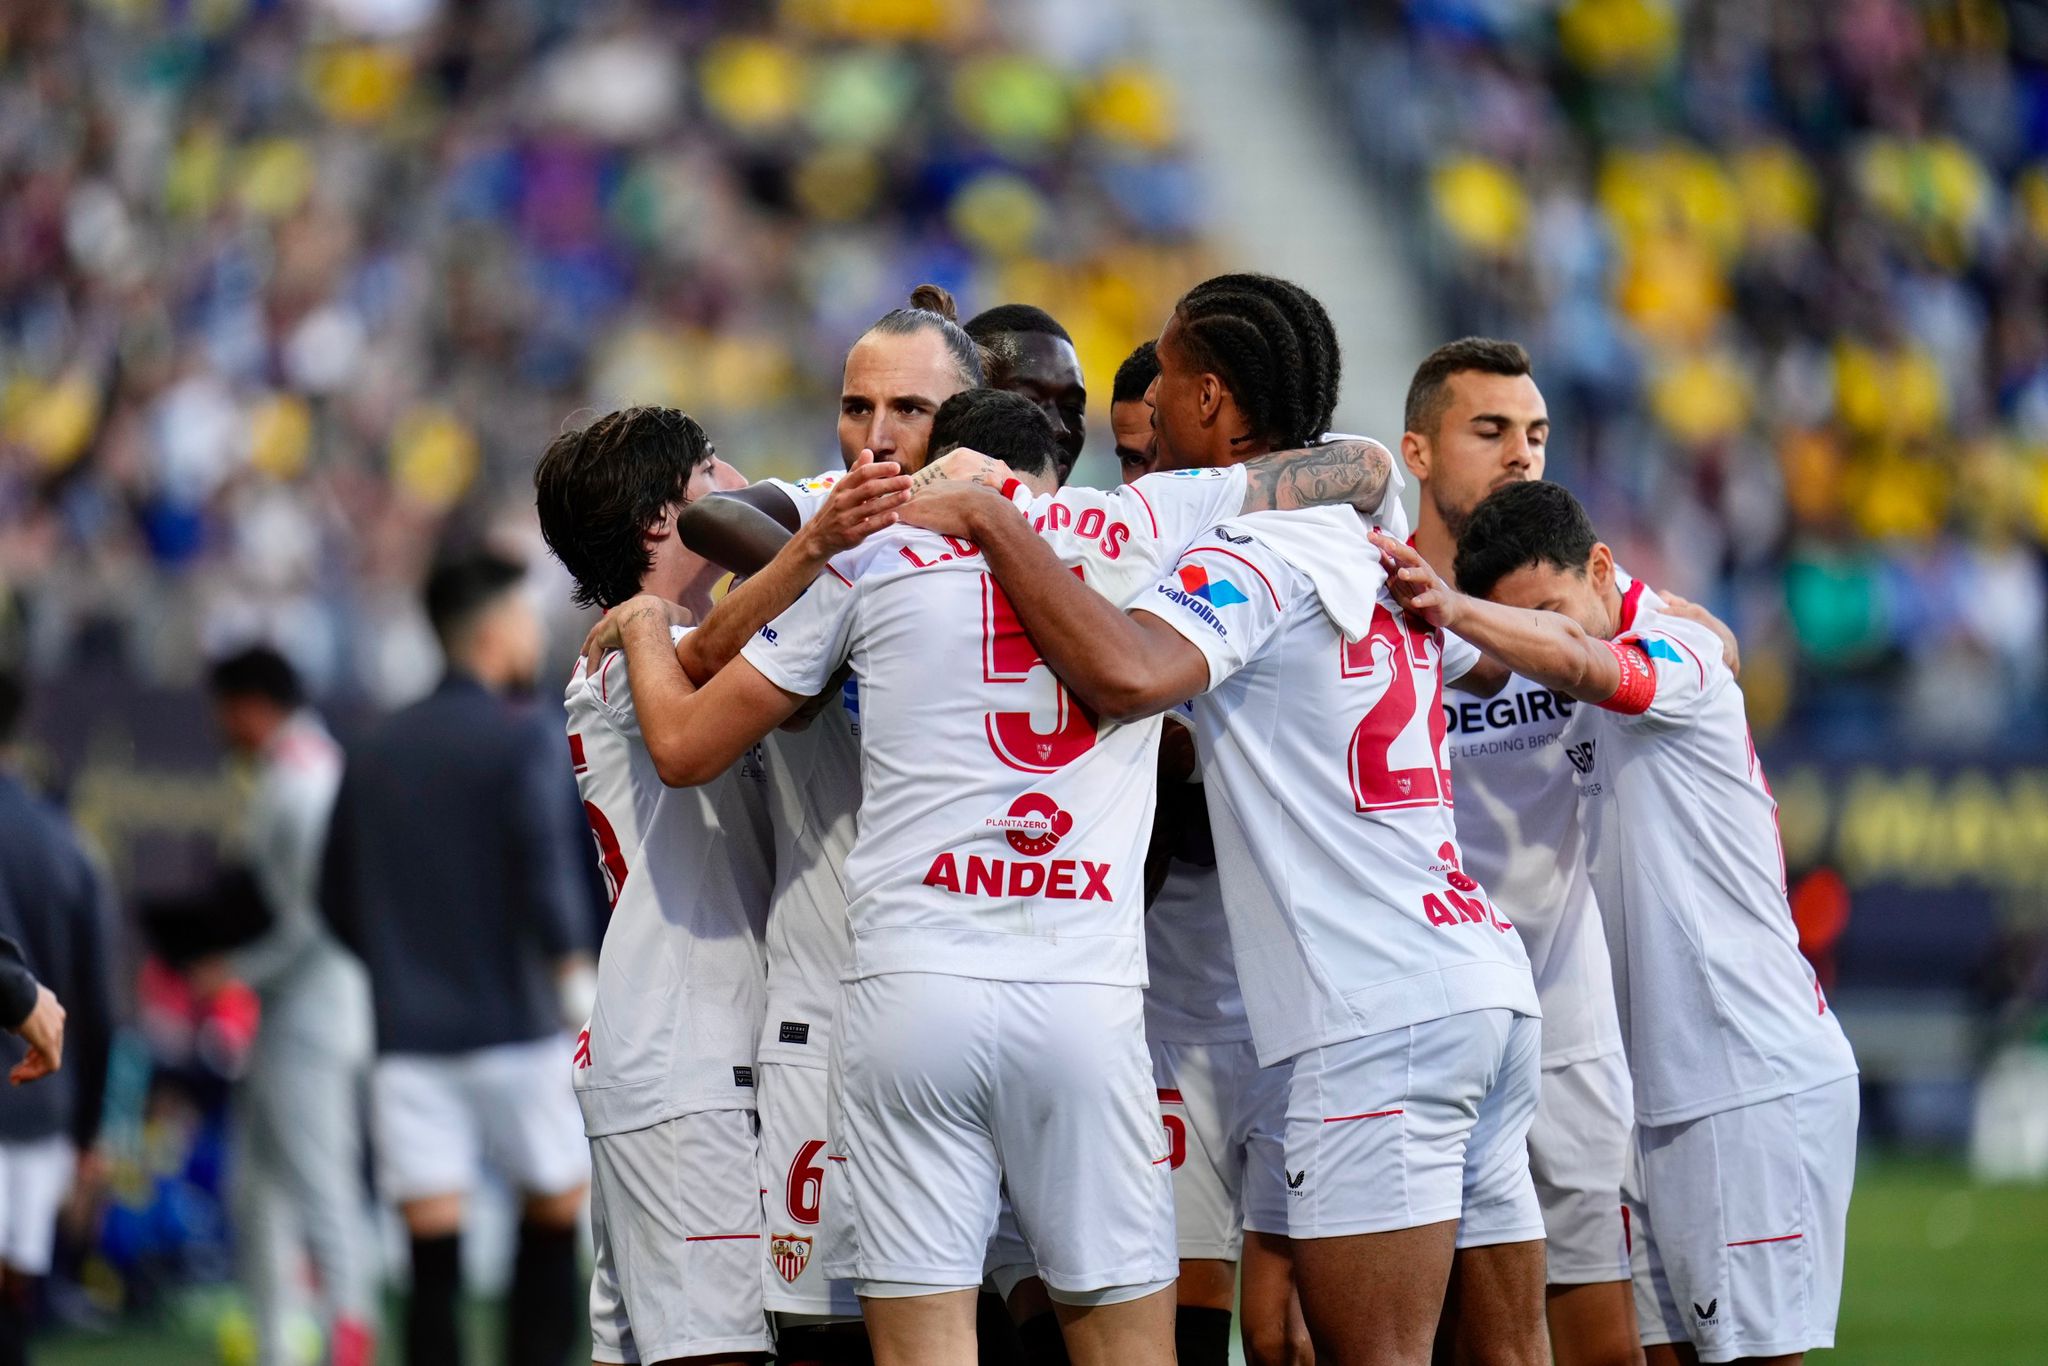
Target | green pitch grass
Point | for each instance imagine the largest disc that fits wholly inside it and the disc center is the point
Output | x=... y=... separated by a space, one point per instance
x=1939 y=1272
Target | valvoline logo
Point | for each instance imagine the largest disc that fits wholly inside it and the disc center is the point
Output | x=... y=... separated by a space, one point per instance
x=1215 y=592
x=1035 y=824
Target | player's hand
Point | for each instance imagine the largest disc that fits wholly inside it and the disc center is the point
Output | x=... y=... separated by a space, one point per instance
x=208 y=976
x=962 y=465
x=956 y=507
x=1414 y=584
x=1731 y=650
x=860 y=504
x=43 y=1032
x=608 y=634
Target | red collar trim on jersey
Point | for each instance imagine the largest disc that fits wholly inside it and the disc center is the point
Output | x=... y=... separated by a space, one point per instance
x=1629 y=602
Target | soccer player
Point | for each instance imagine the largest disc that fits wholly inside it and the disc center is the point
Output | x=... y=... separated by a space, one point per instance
x=1026 y=351
x=970 y=900
x=456 y=872
x=1130 y=415
x=665 y=1070
x=1218 y=1105
x=1367 y=956
x=297 y=1108
x=1475 y=421
x=1744 y=1151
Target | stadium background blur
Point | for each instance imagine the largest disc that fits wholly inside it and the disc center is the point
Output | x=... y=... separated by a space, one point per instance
x=292 y=296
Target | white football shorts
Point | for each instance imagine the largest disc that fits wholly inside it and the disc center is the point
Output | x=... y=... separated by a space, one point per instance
x=795 y=1148
x=675 y=1221
x=438 y=1118
x=949 y=1090
x=35 y=1176
x=1220 y=1108
x=1416 y=1125
x=1736 y=1224
x=1578 y=1149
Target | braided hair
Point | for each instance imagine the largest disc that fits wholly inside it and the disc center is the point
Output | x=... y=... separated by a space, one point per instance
x=1272 y=344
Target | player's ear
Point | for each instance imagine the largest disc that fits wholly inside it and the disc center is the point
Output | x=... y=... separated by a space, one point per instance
x=1600 y=567
x=1416 y=454
x=1209 y=397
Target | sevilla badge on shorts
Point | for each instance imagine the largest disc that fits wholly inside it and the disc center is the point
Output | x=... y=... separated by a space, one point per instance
x=790 y=1254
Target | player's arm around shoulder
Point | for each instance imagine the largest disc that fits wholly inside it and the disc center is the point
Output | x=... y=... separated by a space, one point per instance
x=1123 y=667
x=692 y=734
x=1546 y=646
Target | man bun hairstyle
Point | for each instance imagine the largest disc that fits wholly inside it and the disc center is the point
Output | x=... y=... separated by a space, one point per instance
x=460 y=589
x=933 y=307
x=257 y=671
x=1134 y=377
x=1273 y=345
x=1429 y=392
x=1532 y=522
x=996 y=422
x=599 y=487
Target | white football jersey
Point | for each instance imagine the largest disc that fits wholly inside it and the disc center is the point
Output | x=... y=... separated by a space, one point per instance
x=1518 y=826
x=1193 y=996
x=1002 y=829
x=1329 y=790
x=680 y=979
x=1718 y=1007
x=814 y=792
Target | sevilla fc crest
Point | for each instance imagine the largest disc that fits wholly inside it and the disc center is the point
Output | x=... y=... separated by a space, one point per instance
x=790 y=1254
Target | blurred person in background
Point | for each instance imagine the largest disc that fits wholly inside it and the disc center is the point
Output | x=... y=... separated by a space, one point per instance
x=1026 y=351
x=298 y=1110
x=53 y=899
x=455 y=871
x=1130 y=415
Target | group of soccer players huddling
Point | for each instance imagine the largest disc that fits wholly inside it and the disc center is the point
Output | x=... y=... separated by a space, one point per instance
x=1032 y=892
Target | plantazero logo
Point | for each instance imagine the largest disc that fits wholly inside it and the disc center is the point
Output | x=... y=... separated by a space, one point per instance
x=1035 y=824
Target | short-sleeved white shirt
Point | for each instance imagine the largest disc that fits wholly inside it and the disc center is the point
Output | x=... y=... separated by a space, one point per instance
x=814 y=793
x=1718 y=1007
x=680 y=979
x=1002 y=830
x=1193 y=996
x=1329 y=793
x=1518 y=826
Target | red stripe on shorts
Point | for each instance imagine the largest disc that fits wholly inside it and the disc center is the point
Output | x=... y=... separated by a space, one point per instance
x=1370 y=1114
x=1781 y=1238
x=721 y=1237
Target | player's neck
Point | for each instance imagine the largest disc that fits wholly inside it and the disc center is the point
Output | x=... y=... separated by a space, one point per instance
x=1433 y=538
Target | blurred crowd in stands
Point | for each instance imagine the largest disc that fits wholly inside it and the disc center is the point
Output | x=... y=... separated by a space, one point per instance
x=1783 y=265
x=292 y=294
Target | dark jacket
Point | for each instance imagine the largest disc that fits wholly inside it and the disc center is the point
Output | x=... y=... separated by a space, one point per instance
x=457 y=870
x=56 y=904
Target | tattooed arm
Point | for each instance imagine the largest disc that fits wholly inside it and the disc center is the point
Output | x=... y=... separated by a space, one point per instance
x=1353 y=470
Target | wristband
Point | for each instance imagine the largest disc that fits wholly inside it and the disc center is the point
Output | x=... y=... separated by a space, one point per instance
x=1015 y=490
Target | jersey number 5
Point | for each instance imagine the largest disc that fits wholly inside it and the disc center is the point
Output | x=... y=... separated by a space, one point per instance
x=1397 y=751
x=1008 y=656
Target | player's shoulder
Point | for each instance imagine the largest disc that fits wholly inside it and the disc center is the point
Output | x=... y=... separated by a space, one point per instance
x=1665 y=636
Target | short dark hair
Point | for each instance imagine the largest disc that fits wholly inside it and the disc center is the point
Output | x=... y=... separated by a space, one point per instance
x=13 y=702
x=996 y=422
x=1134 y=377
x=1273 y=345
x=1428 y=394
x=460 y=589
x=1532 y=522
x=598 y=488
x=933 y=307
x=995 y=330
x=257 y=671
